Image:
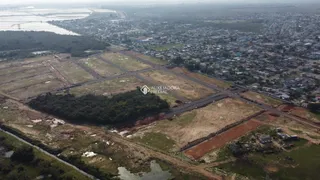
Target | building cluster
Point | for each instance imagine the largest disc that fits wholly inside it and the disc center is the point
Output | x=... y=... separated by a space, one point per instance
x=276 y=53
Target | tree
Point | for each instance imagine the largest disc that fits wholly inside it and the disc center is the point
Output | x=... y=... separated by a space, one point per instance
x=23 y=154
x=178 y=60
x=314 y=107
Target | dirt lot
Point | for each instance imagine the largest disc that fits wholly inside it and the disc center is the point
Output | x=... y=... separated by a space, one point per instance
x=102 y=68
x=72 y=72
x=201 y=122
x=204 y=78
x=187 y=89
x=219 y=141
x=261 y=98
x=304 y=113
x=108 y=87
x=147 y=58
x=125 y=62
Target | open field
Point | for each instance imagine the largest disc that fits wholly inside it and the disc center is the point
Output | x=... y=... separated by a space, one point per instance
x=72 y=72
x=260 y=98
x=304 y=113
x=222 y=139
x=108 y=87
x=204 y=78
x=187 y=89
x=201 y=122
x=147 y=58
x=101 y=67
x=125 y=62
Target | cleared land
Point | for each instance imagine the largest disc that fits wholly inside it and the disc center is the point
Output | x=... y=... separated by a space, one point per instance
x=221 y=139
x=304 y=113
x=101 y=67
x=187 y=89
x=108 y=87
x=147 y=58
x=204 y=78
x=125 y=62
x=201 y=122
x=72 y=72
x=260 y=98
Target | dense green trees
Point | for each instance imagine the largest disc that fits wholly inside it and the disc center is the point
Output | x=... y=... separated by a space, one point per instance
x=122 y=108
x=23 y=154
x=20 y=44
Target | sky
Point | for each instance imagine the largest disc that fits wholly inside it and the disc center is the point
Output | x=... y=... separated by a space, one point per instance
x=17 y=2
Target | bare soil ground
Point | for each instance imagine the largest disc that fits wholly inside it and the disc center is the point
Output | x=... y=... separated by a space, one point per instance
x=101 y=67
x=220 y=140
x=262 y=98
x=204 y=78
x=72 y=72
x=125 y=62
x=187 y=89
x=304 y=113
x=108 y=87
x=201 y=122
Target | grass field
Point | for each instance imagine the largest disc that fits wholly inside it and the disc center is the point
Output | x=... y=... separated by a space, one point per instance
x=305 y=164
x=31 y=171
x=261 y=98
x=101 y=67
x=108 y=87
x=204 y=78
x=125 y=62
x=148 y=58
x=201 y=122
x=243 y=26
x=72 y=72
x=156 y=140
x=187 y=89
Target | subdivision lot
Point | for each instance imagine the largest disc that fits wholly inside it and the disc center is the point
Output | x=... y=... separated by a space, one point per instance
x=108 y=87
x=18 y=84
x=36 y=89
x=204 y=78
x=72 y=72
x=306 y=114
x=201 y=122
x=101 y=67
x=28 y=62
x=147 y=58
x=125 y=62
x=260 y=98
x=222 y=139
x=186 y=88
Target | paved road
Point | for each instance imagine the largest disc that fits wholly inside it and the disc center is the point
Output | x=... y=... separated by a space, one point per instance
x=49 y=154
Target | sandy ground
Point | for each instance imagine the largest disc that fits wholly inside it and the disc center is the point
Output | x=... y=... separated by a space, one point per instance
x=204 y=121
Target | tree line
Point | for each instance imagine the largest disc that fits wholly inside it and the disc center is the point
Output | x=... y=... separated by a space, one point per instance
x=19 y=44
x=125 y=108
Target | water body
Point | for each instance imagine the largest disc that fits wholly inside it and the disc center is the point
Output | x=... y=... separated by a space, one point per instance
x=156 y=173
x=33 y=19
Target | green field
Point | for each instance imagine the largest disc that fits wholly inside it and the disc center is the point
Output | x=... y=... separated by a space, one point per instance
x=41 y=164
x=156 y=140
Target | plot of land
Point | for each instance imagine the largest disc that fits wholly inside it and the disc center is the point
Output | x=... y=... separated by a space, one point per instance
x=201 y=122
x=204 y=78
x=101 y=67
x=147 y=58
x=221 y=139
x=72 y=72
x=187 y=89
x=262 y=98
x=108 y=87
x=125 y=62
x=304 y=113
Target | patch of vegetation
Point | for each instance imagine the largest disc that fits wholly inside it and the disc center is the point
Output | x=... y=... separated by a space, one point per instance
x=296 y=131
x=185 y=118
x=28 y=163
x=122 y=108
x=240 y=26
x=223 y=154
x=157 y=140
x=166 y=47
x=20 y=44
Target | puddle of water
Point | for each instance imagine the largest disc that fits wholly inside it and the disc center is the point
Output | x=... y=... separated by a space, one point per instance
x=156 y=173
